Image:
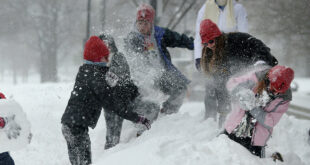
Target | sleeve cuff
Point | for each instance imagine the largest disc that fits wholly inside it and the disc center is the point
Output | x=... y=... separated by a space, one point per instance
x=2 y=122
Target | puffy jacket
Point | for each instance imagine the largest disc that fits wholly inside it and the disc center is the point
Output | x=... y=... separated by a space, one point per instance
x=242 y=50
x=267 y=117
x=96 y=88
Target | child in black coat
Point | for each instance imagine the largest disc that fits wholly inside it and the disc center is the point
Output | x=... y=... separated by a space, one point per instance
x=96 y=87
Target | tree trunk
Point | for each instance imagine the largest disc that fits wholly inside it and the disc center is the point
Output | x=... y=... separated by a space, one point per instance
x=48 y=67
x=88 y=22
x=103 y=14
x=14 y=75
x=153 y=3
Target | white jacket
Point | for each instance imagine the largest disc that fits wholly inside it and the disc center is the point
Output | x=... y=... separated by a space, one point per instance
x=241 y=24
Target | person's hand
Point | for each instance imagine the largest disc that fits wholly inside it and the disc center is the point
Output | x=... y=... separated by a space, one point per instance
x=146 y=122
x=110 y=41
x=246 y=99
x=12 y=129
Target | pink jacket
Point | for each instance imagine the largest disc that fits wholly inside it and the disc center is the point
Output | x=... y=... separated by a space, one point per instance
x=267 y=117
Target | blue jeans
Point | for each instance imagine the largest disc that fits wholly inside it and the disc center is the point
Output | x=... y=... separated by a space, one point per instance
x=6 y=159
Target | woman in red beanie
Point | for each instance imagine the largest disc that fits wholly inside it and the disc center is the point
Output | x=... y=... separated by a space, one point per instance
x=260 y=97
x=224 y=55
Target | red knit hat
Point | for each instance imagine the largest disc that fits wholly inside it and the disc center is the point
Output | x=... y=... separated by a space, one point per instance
x=145 y=12
x=280 y=78
x=95 y=49
x=208 y=31
x=2 y=96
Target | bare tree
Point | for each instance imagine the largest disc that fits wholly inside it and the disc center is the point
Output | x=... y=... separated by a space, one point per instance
x=16 y=34
x=52 y=28
x=286 y=21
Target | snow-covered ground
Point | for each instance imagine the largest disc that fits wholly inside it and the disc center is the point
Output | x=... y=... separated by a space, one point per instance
x=179 y=139
x=302 y=96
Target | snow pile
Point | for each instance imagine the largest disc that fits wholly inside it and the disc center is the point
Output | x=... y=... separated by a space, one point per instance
x=17 y=118
x=179 y=139
x=186 y=139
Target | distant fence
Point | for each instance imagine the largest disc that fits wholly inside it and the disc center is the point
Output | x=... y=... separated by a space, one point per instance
x=299 y=112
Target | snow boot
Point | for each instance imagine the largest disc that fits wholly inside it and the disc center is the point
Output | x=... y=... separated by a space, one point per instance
x=277 y=156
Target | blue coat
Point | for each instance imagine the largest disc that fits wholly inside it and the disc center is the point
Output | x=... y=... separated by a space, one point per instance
x=172 y=78
x=167 y=38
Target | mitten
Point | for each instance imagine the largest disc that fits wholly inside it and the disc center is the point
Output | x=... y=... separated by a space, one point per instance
x=146 y=122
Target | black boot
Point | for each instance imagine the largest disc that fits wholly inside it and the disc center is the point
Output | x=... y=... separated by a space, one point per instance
x=277 y=156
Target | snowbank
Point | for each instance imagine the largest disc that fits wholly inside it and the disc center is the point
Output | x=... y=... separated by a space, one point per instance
x=180 y=139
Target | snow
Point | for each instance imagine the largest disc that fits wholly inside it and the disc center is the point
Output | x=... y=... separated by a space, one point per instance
x=179 y=139
x=15 y=118
x=302 y=97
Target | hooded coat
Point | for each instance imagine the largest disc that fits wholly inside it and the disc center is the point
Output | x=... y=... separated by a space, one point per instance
x=267 y=116
x=96 y=87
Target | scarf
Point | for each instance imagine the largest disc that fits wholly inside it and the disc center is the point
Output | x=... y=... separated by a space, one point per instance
x=212 y=12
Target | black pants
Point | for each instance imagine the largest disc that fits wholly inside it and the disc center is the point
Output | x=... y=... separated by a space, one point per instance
x=6 y=159
x=246 y=142
x=78 y=143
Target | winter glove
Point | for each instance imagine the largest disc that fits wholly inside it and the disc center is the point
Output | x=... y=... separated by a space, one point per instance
x=197 y=64
x=12 y=129
x=246 y=99
x=110 y=41
x=145 y=122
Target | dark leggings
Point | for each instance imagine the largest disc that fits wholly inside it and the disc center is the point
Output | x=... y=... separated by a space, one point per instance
x=6 y=159
x=78 y=143
x=246 y=142
x=114 y=127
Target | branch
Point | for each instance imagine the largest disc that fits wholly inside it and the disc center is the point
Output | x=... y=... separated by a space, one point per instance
x=135 y=2
x=165 y=5
x=176 y=13
x=183 y=14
